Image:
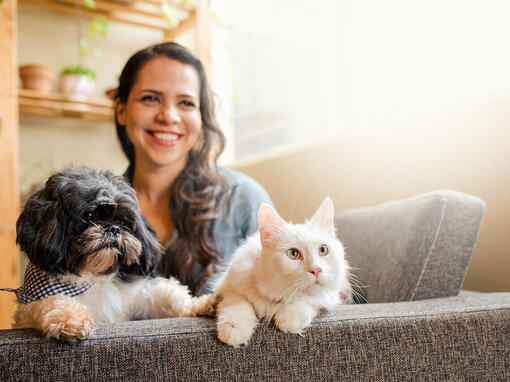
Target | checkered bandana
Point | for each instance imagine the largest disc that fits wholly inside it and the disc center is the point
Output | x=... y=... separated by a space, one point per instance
x=38 y=285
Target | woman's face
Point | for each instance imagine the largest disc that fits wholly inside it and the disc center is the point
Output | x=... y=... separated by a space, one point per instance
x=162 y=114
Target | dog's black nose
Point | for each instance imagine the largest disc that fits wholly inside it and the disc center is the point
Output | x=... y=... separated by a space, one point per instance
x=114 y=230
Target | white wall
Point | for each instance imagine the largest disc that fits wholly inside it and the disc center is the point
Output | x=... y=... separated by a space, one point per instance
x=427 y=107
x=284 y=66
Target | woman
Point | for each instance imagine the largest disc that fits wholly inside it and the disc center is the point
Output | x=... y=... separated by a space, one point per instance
x=167 y=129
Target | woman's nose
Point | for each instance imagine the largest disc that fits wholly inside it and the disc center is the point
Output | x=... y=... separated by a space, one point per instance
x=169 y=114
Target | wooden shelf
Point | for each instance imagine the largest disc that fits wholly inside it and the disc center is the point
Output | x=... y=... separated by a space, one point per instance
x=57 y=105
x=144 y=13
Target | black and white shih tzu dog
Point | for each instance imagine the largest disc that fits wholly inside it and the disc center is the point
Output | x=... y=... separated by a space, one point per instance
x=92 y=259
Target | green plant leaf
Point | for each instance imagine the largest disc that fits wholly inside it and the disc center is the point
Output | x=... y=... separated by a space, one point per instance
x=99 y=25
x=84 y=47
x=89 y=4
x=78 y=69
x=98 y=54
x=170 y=14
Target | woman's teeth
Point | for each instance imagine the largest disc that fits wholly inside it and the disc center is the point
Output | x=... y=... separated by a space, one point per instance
x=166 y=136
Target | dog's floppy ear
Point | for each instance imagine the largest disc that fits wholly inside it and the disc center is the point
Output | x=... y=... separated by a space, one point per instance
x=151 y=250
x=41 y=230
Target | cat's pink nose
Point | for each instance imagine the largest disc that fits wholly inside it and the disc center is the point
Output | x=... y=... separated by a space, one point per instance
x=316 y=271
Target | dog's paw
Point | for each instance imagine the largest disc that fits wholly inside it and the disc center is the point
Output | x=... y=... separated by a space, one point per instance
x=70 y=331
x=199 y=306
x=67 y=326
x=205 y=305
x=232 y=334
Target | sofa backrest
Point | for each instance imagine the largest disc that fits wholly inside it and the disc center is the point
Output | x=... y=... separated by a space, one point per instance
x=412 y=249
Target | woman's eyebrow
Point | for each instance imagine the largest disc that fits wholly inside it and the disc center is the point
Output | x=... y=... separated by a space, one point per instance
x=188 y=95
x=151 y=91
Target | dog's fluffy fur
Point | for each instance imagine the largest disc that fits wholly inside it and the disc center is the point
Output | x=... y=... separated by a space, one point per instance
x=86 y=227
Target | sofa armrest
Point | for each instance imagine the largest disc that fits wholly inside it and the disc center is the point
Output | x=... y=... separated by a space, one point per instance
x=415 y=248
x=455 y=338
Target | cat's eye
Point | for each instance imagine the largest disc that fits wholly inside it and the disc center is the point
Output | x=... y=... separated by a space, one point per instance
x=323 y=250
x=293 y=253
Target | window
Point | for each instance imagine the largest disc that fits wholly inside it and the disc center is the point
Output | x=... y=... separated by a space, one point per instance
x=282 y=63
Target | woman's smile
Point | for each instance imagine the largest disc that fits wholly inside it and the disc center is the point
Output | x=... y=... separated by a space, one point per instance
x=164 y=138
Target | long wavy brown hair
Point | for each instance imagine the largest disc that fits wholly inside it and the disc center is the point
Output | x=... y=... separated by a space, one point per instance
x=197 y=192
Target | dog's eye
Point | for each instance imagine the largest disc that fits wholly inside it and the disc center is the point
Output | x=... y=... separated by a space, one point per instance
x=104 y=211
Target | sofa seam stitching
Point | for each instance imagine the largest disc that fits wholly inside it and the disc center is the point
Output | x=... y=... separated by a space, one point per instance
x=432 y=247
x=411 y=315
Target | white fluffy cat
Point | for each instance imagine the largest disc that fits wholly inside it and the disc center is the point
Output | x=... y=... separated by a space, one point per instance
x=285 y=272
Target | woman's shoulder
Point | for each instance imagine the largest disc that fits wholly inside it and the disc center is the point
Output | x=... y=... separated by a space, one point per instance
x=238 y=215
x=243 y=187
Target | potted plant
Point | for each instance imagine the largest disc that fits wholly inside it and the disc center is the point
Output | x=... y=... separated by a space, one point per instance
x=77 y=80
x=37 y=77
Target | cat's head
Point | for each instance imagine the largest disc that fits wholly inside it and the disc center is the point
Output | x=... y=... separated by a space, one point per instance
x=302 y=259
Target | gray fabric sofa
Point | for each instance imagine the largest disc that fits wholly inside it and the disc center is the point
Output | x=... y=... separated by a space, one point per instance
x=411 y=258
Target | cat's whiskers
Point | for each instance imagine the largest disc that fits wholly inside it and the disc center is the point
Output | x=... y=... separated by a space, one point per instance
x=358 y=284
x=289 y=292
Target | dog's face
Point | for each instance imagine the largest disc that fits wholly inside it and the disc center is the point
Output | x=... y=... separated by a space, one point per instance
x=86 y=222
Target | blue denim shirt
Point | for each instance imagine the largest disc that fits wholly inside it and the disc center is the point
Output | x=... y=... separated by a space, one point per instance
x=238 y=218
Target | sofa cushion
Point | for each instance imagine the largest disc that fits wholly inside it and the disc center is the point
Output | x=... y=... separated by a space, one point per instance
x=412 y=249
x=461 y=338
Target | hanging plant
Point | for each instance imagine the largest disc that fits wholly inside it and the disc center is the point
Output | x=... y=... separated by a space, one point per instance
x=171 y=12
x=78 y=79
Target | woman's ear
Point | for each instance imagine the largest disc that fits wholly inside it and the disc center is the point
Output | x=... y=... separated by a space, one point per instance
x=120 y=109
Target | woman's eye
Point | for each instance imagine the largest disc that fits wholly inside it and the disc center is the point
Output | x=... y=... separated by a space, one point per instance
x=188 y=103
x=150 y=98
x=323 y=250
x=293 y=253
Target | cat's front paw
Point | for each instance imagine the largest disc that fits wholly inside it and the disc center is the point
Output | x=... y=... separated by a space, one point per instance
x=233 y=335
x=293 y=322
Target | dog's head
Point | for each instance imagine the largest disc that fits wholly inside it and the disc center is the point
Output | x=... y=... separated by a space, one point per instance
x=86 y=222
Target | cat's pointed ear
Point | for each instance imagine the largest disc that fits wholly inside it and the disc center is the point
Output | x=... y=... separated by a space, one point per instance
x=269 y=224
x=324 y=217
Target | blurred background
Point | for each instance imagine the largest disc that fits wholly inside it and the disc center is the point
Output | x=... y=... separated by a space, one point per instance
x=363 y=100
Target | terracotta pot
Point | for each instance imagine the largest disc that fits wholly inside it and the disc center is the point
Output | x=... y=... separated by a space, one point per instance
x=76 y=84
x=37 y=77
